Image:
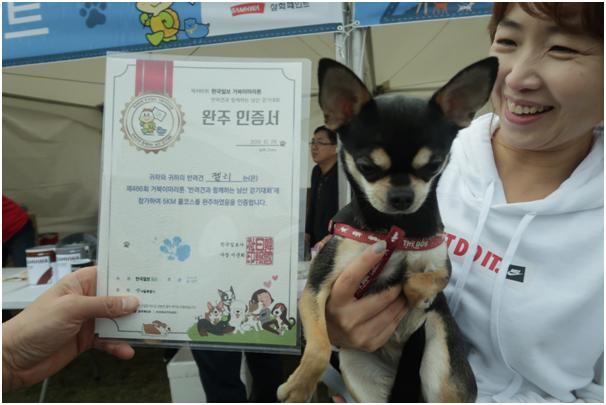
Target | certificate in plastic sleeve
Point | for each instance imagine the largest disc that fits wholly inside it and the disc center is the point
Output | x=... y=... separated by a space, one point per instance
x=200 y=199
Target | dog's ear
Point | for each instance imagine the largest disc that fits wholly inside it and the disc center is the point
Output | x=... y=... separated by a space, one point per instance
x=342 y=94
x=467 y=91
x=209 y=305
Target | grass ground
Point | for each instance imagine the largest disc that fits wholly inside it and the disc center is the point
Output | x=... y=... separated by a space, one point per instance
x=142 y=379
x=99 y=377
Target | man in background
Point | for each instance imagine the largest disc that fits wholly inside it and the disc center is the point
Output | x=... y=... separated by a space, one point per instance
x=324 y=196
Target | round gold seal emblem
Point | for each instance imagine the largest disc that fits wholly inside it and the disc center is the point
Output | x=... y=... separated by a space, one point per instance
x=152 y=122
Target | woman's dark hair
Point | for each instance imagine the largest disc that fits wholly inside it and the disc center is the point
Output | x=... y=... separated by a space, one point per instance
x=332 y=135
x=576 y=18
x=254 y=298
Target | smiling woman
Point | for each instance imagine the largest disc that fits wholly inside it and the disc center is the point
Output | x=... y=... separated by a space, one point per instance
x=522 y=201
x=549 y=92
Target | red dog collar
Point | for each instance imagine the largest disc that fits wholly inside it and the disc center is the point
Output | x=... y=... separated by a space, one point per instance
x=400 y=241
x=395 y=240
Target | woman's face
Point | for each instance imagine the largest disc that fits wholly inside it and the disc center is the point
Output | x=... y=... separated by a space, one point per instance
x=265 y=299
x=549 y=91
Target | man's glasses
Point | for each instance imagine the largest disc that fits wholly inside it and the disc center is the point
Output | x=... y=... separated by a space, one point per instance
x=314 y=142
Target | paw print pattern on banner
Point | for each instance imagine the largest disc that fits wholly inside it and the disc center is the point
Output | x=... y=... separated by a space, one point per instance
x=93 y=12
x=175 y=250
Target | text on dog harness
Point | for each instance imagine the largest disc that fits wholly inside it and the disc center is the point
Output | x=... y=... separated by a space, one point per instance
x=395 y=240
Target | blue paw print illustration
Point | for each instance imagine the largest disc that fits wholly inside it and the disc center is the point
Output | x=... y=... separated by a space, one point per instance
x=175 y=250
x=93 y=12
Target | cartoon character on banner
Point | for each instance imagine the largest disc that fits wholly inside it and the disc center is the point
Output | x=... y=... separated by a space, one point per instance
x=165 y=24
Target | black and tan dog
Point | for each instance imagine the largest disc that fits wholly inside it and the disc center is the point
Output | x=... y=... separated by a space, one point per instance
x=393 y=150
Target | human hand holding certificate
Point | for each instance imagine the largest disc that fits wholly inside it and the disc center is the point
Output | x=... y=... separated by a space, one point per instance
x=200 y=199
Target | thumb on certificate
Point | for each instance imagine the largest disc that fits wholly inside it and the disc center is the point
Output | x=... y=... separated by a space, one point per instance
x=104 y=307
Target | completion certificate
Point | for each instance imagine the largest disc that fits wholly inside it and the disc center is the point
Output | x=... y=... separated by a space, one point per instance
x=200 y=199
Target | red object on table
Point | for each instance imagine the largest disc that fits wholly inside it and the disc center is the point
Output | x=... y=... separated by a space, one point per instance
x=48 y=238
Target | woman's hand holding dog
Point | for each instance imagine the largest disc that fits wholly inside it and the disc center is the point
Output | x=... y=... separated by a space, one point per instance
x=57 y=327
x=365 y=323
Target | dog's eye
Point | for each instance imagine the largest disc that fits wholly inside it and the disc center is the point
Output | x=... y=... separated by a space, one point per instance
x=430 y=169
x=433 y=166
x=368 y=169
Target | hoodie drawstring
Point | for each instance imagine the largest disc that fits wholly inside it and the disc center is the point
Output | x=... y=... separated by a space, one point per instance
x=455 y=297
x=495 y=306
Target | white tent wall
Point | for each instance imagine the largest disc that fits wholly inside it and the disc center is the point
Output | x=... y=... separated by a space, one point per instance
x=59 y=181
x=418 y=58
x=50 y=163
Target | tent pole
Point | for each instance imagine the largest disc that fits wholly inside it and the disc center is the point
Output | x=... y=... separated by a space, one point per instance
x=344 y=49
x=353 y=44
x=370 y=59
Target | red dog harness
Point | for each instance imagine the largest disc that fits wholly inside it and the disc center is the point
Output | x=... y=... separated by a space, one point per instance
x=395 y=239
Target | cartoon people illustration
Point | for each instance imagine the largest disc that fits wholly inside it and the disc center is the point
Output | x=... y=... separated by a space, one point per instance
x=259 y=307
x=161 y=19
x=146 y=120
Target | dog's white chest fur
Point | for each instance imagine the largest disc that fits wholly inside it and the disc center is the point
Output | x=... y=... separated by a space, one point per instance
x=370 y=376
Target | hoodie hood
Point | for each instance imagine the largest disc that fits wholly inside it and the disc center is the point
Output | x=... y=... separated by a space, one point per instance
x=583 y=190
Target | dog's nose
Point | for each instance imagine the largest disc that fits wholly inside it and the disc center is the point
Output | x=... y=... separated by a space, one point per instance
x=401 y=198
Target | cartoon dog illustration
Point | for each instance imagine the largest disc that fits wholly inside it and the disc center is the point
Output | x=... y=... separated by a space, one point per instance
x=238 y=317
x=282 y=322
x=227 y=298
x=156 y=328
x=215 y=312
x=215 y=321
x=253 y=318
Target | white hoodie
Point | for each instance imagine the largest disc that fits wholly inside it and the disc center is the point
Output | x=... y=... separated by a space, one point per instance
x=536 y=330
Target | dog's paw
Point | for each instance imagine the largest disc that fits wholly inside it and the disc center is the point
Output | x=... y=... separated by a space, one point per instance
x=289 y=392
x=426 y=303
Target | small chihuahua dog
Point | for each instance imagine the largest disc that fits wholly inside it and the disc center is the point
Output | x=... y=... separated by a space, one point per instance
x=393 y=151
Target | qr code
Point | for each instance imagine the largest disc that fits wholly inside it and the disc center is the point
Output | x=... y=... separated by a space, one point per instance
x=259 y=250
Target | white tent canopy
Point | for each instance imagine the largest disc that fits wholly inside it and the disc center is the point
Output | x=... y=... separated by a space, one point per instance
x=52 y=126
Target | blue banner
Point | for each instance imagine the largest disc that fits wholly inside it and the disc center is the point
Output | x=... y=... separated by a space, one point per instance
x=369 y=14
x=43 y=32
